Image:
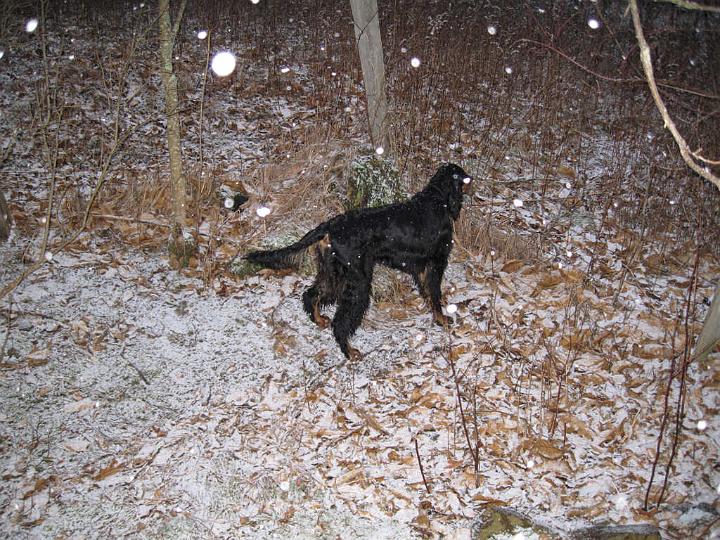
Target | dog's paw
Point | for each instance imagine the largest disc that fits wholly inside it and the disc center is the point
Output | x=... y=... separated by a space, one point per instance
x=441 y=319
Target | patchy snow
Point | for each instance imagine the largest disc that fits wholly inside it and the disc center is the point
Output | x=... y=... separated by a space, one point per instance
x=137 y=400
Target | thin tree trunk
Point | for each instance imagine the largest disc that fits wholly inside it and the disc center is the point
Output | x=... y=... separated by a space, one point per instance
x=168 y=31
x=367 y=36
x=710 y=335
x=5 y=219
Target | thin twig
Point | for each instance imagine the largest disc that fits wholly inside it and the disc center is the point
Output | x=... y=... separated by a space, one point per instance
x=682 y=391
x=687 y=4
x=113 y=217
x=422 y=472
x=618 y=80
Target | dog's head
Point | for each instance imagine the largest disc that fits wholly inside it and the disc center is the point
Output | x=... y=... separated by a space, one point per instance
x=452 y=182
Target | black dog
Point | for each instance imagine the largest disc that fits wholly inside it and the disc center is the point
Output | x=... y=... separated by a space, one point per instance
x=413 y=237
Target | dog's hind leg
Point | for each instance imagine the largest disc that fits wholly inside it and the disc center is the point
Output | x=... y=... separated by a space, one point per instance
x=311 y=303
x=354 y=301
x=321 y=292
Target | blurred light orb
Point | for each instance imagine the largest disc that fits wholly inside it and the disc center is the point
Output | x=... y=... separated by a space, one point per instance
x=254 y=1
x=223 y=63
x=518 y=203
x=202 y=34
x=702 y=425
x=263 y=211
x=451 y=309
x=492 y=30
x=415 y=62
x=508 y=70
x=593 y=23
x=31 y=26
x=379 y=150
x=229 y=202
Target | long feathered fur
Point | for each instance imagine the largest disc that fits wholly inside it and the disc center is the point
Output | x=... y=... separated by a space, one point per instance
x=289 y=256
x=414 y=237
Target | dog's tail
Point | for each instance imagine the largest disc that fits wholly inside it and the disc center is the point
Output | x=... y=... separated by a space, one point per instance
x=290 y=256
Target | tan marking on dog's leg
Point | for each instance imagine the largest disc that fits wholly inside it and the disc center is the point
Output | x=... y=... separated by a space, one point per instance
x=323 y=244
x=321 y=320
x=441 y=319
x=355 y=355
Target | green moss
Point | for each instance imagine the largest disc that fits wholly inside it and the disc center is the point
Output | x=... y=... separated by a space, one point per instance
x=373 y=181
x=181 y=248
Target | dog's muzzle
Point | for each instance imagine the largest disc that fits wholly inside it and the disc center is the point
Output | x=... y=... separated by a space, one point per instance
x=466 y=184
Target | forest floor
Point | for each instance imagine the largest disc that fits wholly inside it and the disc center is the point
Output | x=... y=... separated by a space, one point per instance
x=141 y=400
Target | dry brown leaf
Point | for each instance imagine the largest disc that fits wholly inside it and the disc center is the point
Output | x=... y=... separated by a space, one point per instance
x=579 y=341
x=76 y=445
x=431 y=400
x=40 y=485
x=575 y=425
x=79 y=331
x=488 y=500
x=114 y=468
x=78 y=406
x=572 y=275
x=544 y=448
x=459 y=350
x=350 y=476
x=397 y=314
x=288 y=515
x=562 y=170
x=651 y=351
x=512 y=266
x=370 y=420
x=98 y=344
x=421 y=521
x=587 y=512
x=38 y=357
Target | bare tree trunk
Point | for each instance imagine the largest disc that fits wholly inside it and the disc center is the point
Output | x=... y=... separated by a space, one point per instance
x=5 y=219
x=181 y=246
x=367 y=35
x=168 y=31
x=710 y=335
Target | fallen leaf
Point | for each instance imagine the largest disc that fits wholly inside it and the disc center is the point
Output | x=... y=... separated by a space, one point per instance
x=78 y=406
x=544 y=448
x=512 y=265
x=38 y=357
x=76 y=445
x=349 y=477
x=40 y=485
x=114 y=468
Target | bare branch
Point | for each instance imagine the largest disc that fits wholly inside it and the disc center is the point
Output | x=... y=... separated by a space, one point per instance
x=660 y=104
x=687 y=4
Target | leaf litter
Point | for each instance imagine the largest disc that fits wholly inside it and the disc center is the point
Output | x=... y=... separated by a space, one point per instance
x=138 y=400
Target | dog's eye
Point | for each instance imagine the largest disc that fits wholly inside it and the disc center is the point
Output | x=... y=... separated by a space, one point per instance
x=455 y=176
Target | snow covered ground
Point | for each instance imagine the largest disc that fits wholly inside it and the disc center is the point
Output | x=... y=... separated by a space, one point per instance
x=142 y=401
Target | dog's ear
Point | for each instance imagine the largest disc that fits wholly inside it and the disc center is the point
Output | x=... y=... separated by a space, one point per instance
x=453 y=189
x=448 y=182
x=454 y=200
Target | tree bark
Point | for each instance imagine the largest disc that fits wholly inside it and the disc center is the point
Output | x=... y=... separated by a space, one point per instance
x=710 y=335
x=369 y=43
x=168 y=31
x=5 y=219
